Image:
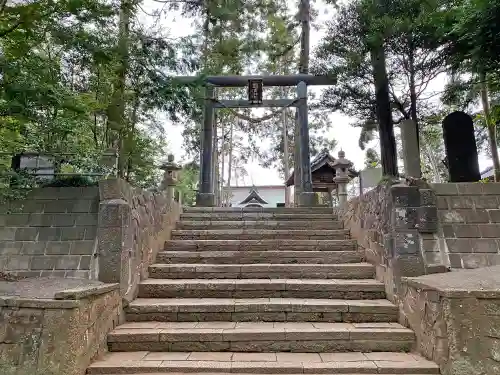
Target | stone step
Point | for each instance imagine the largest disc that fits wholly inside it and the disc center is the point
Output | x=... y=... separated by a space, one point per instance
x=260 y=337
x=257 y=234
x=270 y=256
x=261 y=309
x=218 y=363
x=259 y=224
x=257 y=288
x=260 y=245
x=262 y=271
x=233 y=216
x=289 y=210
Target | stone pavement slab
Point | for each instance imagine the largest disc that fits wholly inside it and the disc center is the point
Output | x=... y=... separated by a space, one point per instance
x=291 y=210
x=268 y=363
x=257 y=288
x=268 y=256
x=262 y=270
x=261 y=216
x=482 y=282
x=249 y=234
x=146 y=305
x=44 y=287
x=261 y=224
x=260 y=245
x=257 y=336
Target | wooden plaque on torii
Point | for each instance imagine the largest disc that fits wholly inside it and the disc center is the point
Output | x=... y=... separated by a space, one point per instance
x=255 y=88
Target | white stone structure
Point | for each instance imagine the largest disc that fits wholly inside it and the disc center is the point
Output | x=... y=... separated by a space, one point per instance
x=254 y=196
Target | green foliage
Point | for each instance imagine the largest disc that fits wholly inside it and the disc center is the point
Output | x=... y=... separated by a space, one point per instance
x=14 y=185
x=412 y=55
x=187 y=184
x=472 y=34
x=372 y=158
x=60 y=61
x=71 y=181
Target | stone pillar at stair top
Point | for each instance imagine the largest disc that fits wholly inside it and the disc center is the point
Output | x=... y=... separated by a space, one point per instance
x=342 y=165
x=170 y=176
x=461 y=149
x=115 y=239
x=402 y=242
x=411 y=151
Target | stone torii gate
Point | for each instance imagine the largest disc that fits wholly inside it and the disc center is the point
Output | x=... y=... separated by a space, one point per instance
x=206 y=197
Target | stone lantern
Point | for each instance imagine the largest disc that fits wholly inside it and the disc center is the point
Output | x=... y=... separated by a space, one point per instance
x=170 y=176
x=342 y=166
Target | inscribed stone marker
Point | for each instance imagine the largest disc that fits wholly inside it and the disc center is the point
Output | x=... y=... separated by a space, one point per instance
x=461 y=149
x=411 y=152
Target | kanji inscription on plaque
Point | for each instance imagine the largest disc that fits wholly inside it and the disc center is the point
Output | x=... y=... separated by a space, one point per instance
x=255 y=87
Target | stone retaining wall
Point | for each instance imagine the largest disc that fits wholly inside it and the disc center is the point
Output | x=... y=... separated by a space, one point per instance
x=469 y=215
x=57 y=336
x=390 y=223
x=50 y=233
x=457 y=224
x=456 y=319
x=368 y=219
x=110 y=233
x=133 y=226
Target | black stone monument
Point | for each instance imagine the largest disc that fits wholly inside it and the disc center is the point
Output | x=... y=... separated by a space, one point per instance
x=461 y=149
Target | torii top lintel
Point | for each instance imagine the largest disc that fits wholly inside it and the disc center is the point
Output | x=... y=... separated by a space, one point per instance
x=268 y=80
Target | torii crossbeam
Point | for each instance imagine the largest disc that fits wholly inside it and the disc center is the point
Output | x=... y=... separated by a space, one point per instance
x=268 y=80
x=255 y=84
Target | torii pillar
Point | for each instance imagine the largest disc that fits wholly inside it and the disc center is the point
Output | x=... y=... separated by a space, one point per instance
x=307 y=198
x=206 y=196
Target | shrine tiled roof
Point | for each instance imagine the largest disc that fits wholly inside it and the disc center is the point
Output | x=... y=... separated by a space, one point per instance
x=253 y=197
x=320 y=160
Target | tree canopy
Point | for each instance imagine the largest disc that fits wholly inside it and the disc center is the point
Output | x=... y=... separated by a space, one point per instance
x=81 y=76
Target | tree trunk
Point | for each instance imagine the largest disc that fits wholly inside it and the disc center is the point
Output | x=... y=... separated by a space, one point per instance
x=230 y=164
x=305 y=10
x=413 y=91
x=206 y=36
x=215 y=163
x=130 y=137
x=286 y=164
x=492 y=132
x=284 y=120
x=384 y=115
x=222 y=163
x=304 y=14
x=432 y=160
x=116 y=108
x=94 y=129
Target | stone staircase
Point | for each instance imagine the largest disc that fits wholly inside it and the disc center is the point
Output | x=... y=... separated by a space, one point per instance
x=261 y=291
